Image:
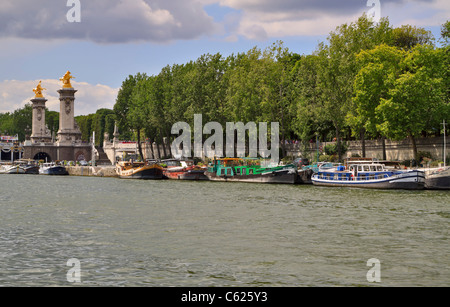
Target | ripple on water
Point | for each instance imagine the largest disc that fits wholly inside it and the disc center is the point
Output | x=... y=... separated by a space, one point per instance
x=171 y=233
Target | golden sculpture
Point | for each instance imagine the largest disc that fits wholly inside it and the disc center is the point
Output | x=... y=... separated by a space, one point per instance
x=66 y=80
x=38 y=90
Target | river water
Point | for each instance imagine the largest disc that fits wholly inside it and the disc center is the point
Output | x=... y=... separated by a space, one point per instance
x=181 y=233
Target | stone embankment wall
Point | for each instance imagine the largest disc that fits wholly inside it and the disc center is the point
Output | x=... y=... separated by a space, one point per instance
x=395 y=150
x=94 y=171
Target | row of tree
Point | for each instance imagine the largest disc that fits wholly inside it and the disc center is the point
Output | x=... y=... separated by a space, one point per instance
x=99 y=122
x=368 y=80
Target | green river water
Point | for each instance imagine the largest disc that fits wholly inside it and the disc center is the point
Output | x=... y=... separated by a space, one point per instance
x=180 y=233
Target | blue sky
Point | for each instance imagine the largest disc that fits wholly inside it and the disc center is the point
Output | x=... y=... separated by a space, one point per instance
x=117 y=38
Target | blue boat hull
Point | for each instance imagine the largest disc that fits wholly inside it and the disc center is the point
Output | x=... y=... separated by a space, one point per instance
x=406 y=181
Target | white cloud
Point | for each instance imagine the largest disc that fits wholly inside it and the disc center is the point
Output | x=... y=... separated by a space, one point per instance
x=262 y=19
x=123 y=21
x=88 y=99
x=421 y=14
x=114 y=21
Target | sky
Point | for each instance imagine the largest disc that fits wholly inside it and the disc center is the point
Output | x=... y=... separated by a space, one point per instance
x=103 y=42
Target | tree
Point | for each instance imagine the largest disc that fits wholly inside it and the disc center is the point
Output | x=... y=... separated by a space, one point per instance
x=416 y=98
x=123 y=102
x=136 y=115
x=445 y=33
x=52 y=120
x=407 y=36
x=18 y=122
x=337 y=67
x=278 y=106
x=6 y=123
x=85 y=122
x=379 y=67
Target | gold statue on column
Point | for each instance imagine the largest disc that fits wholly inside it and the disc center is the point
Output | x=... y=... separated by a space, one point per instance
x=38 y=90
x=66 y=80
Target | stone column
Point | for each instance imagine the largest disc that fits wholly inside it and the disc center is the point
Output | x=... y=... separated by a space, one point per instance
x=40 y=132
x=67 y=133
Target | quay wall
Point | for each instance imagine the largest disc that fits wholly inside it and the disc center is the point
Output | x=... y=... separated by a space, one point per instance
x=395 y=150
x=93 y=171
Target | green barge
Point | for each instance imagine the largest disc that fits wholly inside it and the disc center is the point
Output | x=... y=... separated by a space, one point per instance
x=250 y=170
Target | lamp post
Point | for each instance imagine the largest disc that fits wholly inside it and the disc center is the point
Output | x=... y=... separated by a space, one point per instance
x=445 y=145
x=317 y=146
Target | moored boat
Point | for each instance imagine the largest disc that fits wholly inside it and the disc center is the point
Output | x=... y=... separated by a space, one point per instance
x=437 y=179
x=13 y=169
x=247 y=170
x=31 y=169
x=30 y=166
x=373 y=175
x=139 y=170
x=304 y=176
x=184 y=170
x=53 y=169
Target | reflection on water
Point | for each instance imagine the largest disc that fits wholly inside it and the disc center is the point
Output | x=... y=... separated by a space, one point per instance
x=175 y=233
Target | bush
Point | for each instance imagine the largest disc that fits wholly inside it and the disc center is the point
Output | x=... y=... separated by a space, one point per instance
x=287 y=159
x=436 y=163
x=328 y=158
x=406 y=163
x=425 y=154
x=324 y=158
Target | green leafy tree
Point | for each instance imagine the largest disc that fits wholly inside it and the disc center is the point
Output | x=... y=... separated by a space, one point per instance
x=445 y=33
x=379 y=67
x=337 y=67
x=416 y=98
x=136 y=115
x=52 y=120
x=406 y=37
x=123 y=103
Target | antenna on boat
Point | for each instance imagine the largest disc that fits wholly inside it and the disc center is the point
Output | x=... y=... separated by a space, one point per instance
x=445 y=145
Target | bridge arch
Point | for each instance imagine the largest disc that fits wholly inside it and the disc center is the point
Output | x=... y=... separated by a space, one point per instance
x=42 y=156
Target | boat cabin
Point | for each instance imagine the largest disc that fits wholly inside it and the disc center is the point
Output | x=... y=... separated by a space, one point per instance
x=356 y=172
x=235 y=167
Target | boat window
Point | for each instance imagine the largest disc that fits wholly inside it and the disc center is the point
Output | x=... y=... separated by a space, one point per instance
x=229 y=171
x=373 y=168
x=379 y=168
x=250 y=171
x=222 y=172
x=359 y=168
x=366 y=168
x=238 y=171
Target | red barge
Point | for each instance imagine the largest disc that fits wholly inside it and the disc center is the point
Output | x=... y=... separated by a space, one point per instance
x=183 y=170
